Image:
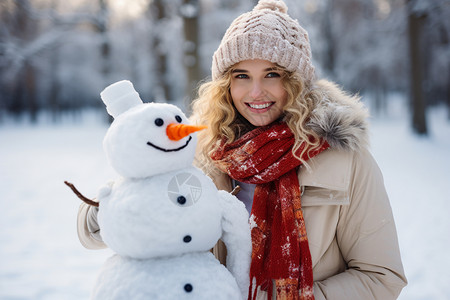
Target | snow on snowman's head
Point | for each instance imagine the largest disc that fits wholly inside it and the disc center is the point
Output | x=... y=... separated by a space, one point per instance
x=146 y=139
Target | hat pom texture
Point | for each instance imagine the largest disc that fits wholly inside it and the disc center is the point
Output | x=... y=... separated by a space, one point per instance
x=268 y=33
x=274 y=5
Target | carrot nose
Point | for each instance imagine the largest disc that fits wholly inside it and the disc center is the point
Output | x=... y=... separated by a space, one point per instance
x=176 y=132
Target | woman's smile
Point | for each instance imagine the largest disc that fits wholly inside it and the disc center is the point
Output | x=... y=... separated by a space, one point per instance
x=260 y=107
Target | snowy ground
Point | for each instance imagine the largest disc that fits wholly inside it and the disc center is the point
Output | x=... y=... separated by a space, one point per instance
x=41 y=258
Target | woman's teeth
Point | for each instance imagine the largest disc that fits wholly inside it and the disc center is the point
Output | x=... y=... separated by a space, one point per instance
x=259 y=106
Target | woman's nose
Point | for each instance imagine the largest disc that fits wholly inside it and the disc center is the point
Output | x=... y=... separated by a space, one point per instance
x=256 y=90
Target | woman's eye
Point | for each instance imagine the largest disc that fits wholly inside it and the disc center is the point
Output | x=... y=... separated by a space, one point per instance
x=241 y=76
x=273 y=75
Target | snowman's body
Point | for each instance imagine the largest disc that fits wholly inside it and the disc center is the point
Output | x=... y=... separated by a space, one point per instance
x=144 y=218
x=189 y=276
x=163 y=215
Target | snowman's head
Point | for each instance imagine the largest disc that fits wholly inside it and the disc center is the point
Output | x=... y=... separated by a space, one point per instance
x=146 y=139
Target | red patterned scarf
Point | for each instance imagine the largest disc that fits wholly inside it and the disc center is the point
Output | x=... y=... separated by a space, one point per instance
x=280 y=252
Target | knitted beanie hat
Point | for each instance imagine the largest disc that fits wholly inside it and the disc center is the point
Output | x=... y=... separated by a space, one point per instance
x=269 y=33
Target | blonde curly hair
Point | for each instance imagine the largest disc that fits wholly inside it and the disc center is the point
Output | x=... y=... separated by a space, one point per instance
x=214 y=108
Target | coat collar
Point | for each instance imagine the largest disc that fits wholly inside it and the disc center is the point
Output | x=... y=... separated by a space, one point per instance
x=339 y=118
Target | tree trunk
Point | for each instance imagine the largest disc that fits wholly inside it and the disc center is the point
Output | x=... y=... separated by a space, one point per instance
x=23 y=29
x=415 y=24
x=448 y=92
x=189 y=12
x=329 y=55
x=55 y=85
x=104 y=45
x=30 y=87
x=161 y=88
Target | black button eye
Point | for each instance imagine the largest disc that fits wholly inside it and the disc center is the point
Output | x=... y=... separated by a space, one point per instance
x=188 y=287
x=159 y=122
x=181 y=200
x=178 y=118
x=187 y=239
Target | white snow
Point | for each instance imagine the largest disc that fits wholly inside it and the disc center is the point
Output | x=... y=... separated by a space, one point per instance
x=417 y=177
x=41 y=258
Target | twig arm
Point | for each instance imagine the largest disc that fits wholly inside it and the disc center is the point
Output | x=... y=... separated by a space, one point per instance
x=236 y=190
x=83 y=198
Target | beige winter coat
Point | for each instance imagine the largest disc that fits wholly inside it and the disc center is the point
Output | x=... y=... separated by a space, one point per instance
x=349 y=222
x=351 y=231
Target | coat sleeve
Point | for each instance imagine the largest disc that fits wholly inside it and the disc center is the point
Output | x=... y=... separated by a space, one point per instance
x=87 y=227
x=367 y=238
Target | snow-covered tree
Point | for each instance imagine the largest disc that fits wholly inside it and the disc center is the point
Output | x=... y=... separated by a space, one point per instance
x=58 y=55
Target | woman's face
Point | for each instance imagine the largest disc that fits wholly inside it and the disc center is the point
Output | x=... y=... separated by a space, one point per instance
x=257 y=91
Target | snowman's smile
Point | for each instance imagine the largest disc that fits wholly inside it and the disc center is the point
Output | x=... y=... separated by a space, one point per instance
x=170 y=150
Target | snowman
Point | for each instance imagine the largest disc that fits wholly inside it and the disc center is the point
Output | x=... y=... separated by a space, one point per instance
x=163 y=215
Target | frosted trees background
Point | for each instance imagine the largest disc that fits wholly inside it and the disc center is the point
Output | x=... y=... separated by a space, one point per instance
x=56 y=56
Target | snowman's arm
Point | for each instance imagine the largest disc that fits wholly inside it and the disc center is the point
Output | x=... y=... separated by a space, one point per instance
x=80 y=195
x=237 y=239
x=87 y=225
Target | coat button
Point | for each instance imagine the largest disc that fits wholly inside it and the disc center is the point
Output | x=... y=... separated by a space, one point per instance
x=187 y=239
x=188 y=287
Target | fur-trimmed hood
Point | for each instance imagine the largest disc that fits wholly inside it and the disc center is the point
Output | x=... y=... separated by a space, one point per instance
x=340 y=118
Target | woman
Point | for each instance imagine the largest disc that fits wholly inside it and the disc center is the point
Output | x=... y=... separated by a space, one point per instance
x=322 y=225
